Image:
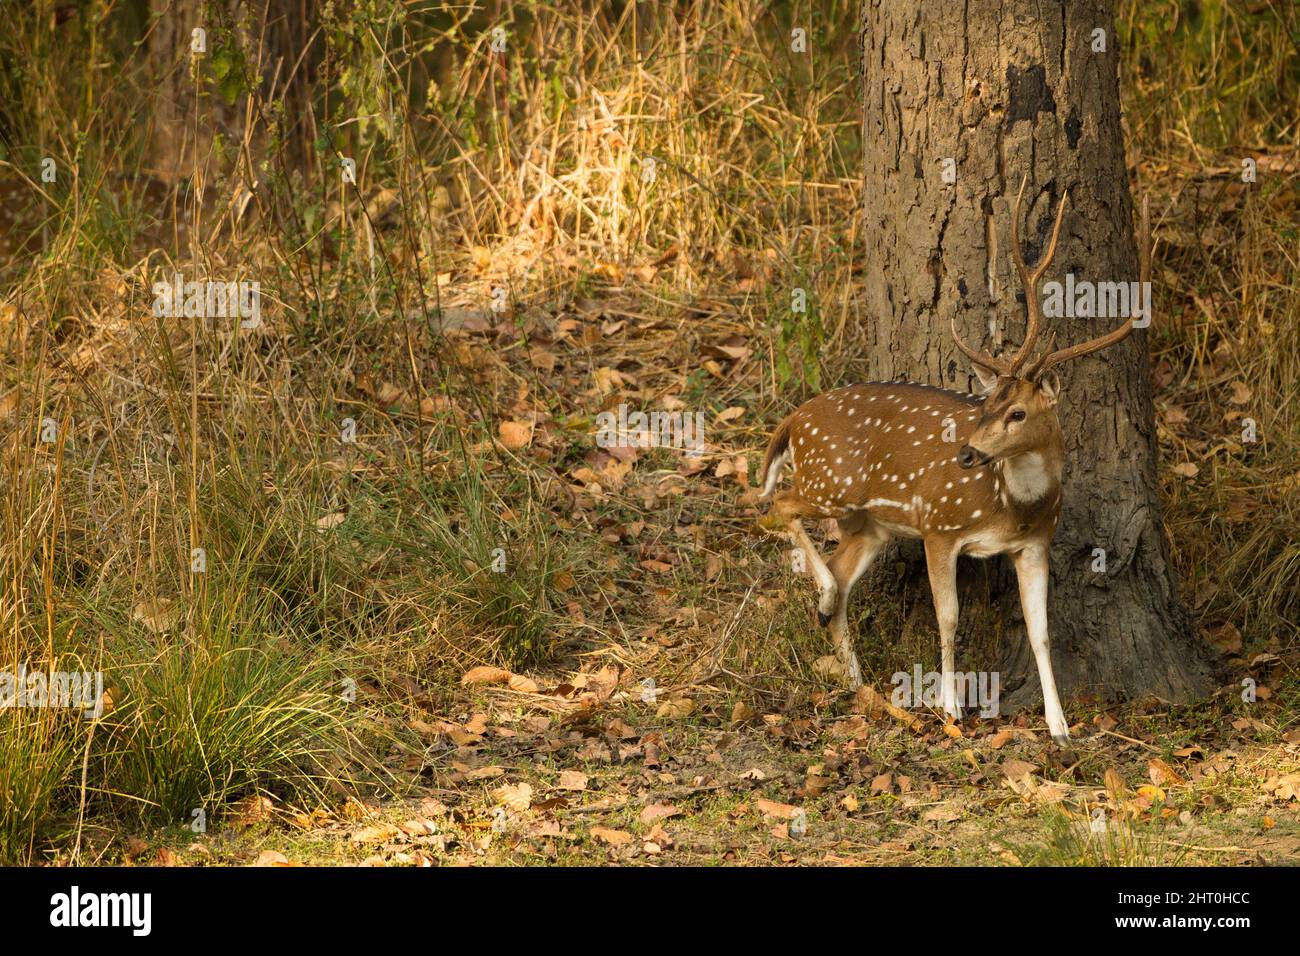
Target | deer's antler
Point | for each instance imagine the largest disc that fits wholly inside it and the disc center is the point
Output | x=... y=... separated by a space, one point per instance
x=1029 y=279
x=983 y=358
x=1110 y=338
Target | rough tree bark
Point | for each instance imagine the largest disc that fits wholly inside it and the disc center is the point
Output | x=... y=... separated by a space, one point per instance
x=1006 y=89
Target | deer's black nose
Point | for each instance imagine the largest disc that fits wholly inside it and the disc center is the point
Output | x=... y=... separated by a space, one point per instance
x=968 y=457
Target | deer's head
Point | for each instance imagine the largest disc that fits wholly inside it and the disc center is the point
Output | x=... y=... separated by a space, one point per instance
x=1019 y=416
x=1019 y=413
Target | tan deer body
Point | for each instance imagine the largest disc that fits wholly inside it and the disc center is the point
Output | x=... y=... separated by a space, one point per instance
x=968 y=474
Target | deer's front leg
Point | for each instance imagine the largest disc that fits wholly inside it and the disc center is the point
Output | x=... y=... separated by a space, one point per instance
x=1031 y=571
x=941 y=562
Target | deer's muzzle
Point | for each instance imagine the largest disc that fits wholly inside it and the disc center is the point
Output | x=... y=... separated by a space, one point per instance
x=970 y=457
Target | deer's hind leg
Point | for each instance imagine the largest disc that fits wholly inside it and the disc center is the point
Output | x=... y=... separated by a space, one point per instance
x=787 y=509
x=860 y=542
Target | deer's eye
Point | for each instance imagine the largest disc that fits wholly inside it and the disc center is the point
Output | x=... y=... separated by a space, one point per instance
x=1017 y=416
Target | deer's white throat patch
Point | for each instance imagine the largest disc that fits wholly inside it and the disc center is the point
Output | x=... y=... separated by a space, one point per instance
x=1027 y=477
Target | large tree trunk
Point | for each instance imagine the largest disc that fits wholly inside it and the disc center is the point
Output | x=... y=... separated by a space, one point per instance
x=1007 y=90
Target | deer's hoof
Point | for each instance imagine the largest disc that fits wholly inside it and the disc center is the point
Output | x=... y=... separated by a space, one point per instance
x=823 y=618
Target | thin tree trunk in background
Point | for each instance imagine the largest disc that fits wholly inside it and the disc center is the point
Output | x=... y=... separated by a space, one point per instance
x=271 y=34
x=176 y=140
x=169 y=53
x=1006 y=90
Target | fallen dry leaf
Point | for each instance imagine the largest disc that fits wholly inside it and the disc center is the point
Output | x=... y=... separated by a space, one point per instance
x=331 y=520
x=1163 y=775
x=251 y=810
x=1226 y=637
x=742 y=713
x=514 y=796
x=1285 y=787
x=676 y=709
x=485 y=674
x=273 y=858
x=9 y=402
x=573 y=780
x=867 y=700
x=1114 y=782
x=1016 y=769
x=525 y=685
x=658 y=811
x=376 y=833
x=515 y=435
x=781 y=811
x=390 y=394
x=941 y=815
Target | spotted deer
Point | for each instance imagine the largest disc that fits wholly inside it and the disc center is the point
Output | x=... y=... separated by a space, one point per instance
x=968 y=474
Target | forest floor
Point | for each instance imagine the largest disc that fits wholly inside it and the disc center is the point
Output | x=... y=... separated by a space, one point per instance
x=692 y=722
x=587 y=774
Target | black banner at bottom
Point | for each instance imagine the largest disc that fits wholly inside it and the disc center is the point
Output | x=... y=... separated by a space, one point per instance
x=334 y=906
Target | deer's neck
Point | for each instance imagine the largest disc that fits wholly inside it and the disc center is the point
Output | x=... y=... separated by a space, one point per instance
x=1034 y=477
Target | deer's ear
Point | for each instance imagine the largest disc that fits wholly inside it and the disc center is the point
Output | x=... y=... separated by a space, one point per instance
x=1050 y=386
x=987 y=378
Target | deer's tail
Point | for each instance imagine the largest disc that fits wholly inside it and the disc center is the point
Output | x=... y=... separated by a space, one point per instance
x=778 y=452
